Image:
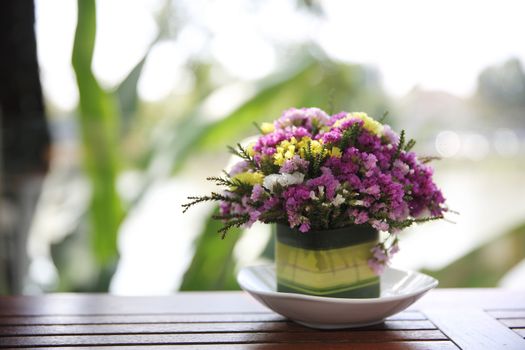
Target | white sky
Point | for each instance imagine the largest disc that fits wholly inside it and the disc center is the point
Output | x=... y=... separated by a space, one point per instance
x=435 y=44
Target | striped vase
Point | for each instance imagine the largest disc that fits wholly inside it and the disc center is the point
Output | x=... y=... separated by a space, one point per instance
x=328 y=263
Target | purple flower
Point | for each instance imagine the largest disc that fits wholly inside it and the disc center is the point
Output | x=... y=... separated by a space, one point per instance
x=270 y=203
x=266 y=144
x=239 y=167
x=305 y=227
x=367 y=182
x=360 y=216
x=373 y=190
x=224 y=208
x=332 y=136
x=350 y=122
x=254 y=216
x=379 y=253
x=300 y=132
x=301 y=117
x=380 y=225
x=295 y=164
x=376 y=266
x=295 y=197
x=336 y=117
x=327 y=180
x=316 y=115
x=292 y=116
x=257 y=193
x=370 y=161
x=393 y=249
x=390 y=135
x=269 y=151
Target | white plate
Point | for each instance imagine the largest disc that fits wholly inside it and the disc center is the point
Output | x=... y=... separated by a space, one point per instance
x=399 y=290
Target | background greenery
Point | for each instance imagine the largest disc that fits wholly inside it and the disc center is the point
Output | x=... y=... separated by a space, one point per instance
x=120 y=133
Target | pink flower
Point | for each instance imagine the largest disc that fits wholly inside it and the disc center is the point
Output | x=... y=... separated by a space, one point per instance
x=257 y=193
x=393 y=249
x=373 y=190
x=254 y=216
x=380 y=225
x=376 y=266
x=305 y=227
x=361 y=217
x=390 y=135
x=379 y=253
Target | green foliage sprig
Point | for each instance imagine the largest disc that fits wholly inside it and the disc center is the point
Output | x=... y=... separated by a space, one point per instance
x=230 y=221
x=241 y=152
x=399 y=148
x=349 y=137
x=213 y=197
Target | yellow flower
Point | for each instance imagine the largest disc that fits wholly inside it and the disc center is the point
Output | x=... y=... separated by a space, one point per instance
x=250 y=150
x=336 y=152
x=267 y=128
x=316 y=147
x=288 y=149
x=285 y=150
x=303 y=144
x=290 y=152
x=370 y=124
x=278 y=159
x=248 y=178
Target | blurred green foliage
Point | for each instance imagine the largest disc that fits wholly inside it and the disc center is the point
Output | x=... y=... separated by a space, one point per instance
x=314 y=83
x=484 y=266
x=213 y=263
x=99 y=124
x=176 y=132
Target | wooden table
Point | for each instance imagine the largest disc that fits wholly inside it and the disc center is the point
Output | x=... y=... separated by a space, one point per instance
x=443 y=319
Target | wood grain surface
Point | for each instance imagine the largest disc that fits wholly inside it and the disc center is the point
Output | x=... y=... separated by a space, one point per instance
x=443 y=319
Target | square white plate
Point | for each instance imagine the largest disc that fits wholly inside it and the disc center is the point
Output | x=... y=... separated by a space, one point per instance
x=399 y=290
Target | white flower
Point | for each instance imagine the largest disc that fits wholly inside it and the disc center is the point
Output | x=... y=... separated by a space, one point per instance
x=282 y=179
x=338 y=200
x=358 y=202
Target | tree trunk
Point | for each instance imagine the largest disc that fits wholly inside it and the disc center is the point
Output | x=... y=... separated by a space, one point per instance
x=24 y=138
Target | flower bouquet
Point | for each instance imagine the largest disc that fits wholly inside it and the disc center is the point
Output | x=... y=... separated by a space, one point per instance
x=330 y=184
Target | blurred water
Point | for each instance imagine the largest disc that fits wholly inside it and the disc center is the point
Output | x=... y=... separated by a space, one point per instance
x=489 y=198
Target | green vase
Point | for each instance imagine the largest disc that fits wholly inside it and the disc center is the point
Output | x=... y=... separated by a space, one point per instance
x=328 y=263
